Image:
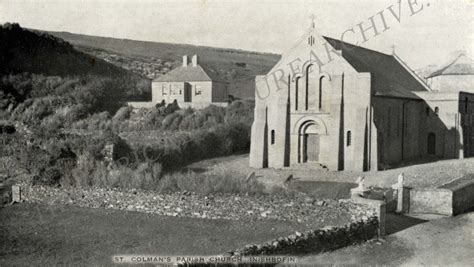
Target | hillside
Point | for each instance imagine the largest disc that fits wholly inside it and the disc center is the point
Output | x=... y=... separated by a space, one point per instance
x=22 y=50
x=37 y=68
x=153 y=59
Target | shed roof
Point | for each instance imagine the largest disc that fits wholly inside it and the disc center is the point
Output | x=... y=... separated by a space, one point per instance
x=461 y=65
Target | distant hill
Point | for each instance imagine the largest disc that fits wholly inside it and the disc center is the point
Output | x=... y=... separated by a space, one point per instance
x=36 y=64
x=22 y=50
x=153 y=59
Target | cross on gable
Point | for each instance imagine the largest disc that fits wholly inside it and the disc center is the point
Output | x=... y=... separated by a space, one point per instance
x=313 y=18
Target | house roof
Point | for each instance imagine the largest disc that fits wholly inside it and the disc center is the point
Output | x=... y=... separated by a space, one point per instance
x=189 y=73
x=461 y=65
x=390 y=75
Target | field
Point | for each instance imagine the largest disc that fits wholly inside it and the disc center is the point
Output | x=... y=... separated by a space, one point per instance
x=65 y=235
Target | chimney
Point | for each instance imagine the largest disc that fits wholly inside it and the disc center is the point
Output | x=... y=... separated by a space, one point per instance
x=185 y=60
x=195 y=61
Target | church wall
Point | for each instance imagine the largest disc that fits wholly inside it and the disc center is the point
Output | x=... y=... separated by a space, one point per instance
x=357 y=120
x=259 y=135
x=351 y=112
x=444 y=121
x=400 y=129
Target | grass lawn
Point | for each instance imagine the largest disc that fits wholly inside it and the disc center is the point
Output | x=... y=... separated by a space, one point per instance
x=49 y=235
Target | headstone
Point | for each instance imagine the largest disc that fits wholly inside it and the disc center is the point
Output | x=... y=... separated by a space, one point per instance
x=401 y=191
x=360 y=183
x=360 y=189
x=288 y=180
x=250 y=176
x=16 y=194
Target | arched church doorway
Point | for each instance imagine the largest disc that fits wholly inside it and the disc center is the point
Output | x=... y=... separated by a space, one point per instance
x=310 y=142
x=431 y=144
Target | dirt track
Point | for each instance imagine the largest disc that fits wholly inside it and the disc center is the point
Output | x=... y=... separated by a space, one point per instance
x=442 y=242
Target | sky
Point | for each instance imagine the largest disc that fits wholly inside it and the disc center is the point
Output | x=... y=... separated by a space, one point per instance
x=423 y=31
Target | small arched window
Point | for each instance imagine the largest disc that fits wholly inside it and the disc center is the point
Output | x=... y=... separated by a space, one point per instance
x=427 y=112
x=436 y=110
x=466 y=101
x=348 y=138
x=297 y=81
x=272 y=137
x=321 y=92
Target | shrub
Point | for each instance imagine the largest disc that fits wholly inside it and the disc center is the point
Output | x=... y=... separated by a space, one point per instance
x=48 y=177
x=123 y=113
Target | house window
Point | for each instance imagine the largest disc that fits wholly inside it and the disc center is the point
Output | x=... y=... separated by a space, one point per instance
x=466 y=101
x=427 y=112
x=175 y=89
x=197 y=89
x=348 y=138
x=272 y=137
x=163 y=90
x=436 y=110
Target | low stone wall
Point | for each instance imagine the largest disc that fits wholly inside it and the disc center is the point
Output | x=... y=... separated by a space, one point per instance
x=201 y=105
x=314 y=241
x=450 y=199
x=433 y=201
x=299 y=208
x=182 y=105
x=463 y=194
x=463 y=199
x=142 y=104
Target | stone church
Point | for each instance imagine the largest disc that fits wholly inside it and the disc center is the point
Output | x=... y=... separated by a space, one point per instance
x=332 y=104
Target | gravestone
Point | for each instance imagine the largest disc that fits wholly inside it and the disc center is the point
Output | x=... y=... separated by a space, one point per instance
x=360 y=189
x=16 y=193
x=403 y=194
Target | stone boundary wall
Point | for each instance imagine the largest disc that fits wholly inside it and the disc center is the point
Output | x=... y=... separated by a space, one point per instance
x=463 y=199
x=182 y=105
x=325 y=239
x=142 y=104
x=201 y=105
x=450 y=199
x=300 y=208
x=431 y=200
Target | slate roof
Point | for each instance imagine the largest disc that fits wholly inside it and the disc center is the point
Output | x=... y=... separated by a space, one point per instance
x=199 y=73
x=462 y=65
x=390 y=76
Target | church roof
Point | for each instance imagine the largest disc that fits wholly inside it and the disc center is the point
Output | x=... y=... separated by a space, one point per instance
x=390 y=75
x=462 y=65
x=189 y=73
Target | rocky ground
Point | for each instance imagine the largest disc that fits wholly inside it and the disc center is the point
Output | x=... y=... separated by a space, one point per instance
x=300 y=208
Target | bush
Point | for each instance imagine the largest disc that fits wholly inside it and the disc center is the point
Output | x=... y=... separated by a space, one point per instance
x=123 y=113
x=48 y=177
